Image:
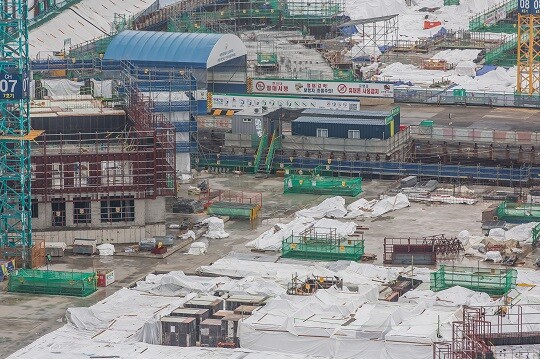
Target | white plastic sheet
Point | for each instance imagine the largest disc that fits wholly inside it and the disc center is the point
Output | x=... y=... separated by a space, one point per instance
x=333 y=207
x=106 y=249
x=197 y=248
x=271 y=239
x=216 y=228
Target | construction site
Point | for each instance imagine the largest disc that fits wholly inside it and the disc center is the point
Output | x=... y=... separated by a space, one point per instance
x=270 y=179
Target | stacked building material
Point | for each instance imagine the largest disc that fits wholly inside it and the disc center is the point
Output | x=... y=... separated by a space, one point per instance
x=179 y=331
x=213 y=304
x=199 y=315
x=212 y=332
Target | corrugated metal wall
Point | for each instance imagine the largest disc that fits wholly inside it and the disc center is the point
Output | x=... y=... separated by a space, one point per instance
x=341 y=130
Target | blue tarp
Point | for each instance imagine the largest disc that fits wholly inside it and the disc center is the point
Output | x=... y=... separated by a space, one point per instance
x=485 y=69
x=348 y=30
x=441 y=33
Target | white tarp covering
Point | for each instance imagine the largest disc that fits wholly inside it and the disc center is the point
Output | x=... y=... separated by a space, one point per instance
x=197 y=248
x=353 y=274
x=374 y=208
x=271 y=239
x=106 y=249
x=333 y=207
x=465 y=68
x=82 y=22
x=453 y=296
x=67 y=89
x=346 y=325
x=521 y=233
x=216 y=228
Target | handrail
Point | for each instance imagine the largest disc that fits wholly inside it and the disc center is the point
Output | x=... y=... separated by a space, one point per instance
x=262 y=146
x=478 y=21
x=274 y=144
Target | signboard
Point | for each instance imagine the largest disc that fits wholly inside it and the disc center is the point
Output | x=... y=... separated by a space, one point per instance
x=495 y=16
x=322 y=88
x=529 y=7
x=242 y=102
x=13 y=86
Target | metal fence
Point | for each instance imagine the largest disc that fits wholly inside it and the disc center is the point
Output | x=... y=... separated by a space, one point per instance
x=473 y=98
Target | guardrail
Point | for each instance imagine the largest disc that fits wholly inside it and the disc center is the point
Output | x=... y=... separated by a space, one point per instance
x=473 y=98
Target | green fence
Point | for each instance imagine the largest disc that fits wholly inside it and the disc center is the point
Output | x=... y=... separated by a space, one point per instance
x=514 y=212
x=493 y=281
x=535 y=234
x=234 y=210
x=300 y=247
x=338 y=186
x=488 y=20
x=75 y=284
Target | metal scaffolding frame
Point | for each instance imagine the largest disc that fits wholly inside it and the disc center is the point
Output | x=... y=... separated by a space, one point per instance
x=373 y=32
x=15 y=178
x=483 y=329
x=318 y=17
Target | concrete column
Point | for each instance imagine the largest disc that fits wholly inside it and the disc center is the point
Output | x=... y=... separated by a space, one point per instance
x=69 y=214
x=95 y=213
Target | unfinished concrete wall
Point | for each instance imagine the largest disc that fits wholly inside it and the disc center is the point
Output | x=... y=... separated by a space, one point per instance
x=117 y=235
x=155 y=210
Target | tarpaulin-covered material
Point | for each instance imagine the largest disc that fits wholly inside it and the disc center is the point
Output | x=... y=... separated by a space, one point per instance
x=333 y=207
x=353 y=274
x=216 y=228
x=346 y=325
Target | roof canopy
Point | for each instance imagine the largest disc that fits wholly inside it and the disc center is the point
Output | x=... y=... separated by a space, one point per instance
x=193 y=49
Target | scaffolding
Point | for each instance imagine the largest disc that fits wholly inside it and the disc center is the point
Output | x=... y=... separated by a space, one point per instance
x=493 y=281
x=319 y=17
x=483 y=329
x=322 y=244
x=15 y=129
x=35 y=281
x=367 y=38
x=317 y=184
x=518 y=212
x=88 y=166
x=267 y=59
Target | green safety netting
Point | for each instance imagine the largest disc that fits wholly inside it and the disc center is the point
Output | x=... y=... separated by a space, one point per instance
x=301 y=247
x=493 y=281
x=34 y=281
x=338 y=186
x=515 y=212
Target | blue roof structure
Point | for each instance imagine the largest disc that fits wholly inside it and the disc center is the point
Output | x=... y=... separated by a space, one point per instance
x=194 y=49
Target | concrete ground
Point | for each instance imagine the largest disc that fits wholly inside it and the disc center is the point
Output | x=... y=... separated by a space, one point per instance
x=478 y=117
x=24 y=317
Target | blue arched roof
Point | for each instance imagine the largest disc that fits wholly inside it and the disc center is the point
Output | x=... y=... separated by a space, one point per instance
x=172 y=47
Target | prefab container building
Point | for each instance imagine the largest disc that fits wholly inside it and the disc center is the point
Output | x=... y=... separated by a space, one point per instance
x=341 y=127
x=347 y=124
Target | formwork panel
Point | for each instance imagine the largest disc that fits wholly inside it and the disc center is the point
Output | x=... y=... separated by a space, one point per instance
x=77 y=284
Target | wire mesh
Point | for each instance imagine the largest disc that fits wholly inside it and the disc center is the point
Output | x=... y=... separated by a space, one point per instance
x=77 y=284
